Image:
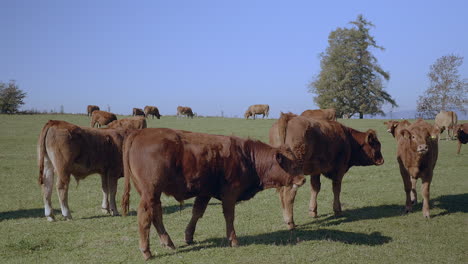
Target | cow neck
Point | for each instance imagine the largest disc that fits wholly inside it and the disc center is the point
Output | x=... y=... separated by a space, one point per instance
x=357 y=157
x=259 y=158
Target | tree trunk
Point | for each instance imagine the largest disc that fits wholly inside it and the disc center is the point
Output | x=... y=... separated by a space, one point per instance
x=361 y=115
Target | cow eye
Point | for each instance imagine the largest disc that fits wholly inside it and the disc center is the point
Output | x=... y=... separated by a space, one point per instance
x=413 y=137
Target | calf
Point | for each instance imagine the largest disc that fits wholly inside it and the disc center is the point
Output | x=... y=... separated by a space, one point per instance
x=417 y=156
x=184 y=165
x=136 y=122
x=102 y=118
x=462 y=135
x=66 y=149
x=322 y=147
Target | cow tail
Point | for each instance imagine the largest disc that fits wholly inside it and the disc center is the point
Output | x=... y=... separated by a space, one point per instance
x=41 y=151
x=282 y=126
x=127 y=173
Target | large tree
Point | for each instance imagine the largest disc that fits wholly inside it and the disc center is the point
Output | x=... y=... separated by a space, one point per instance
x=350 y=79
x=11 y=97
x=447 y=91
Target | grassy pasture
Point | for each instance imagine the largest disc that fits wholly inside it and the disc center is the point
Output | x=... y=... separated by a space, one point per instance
x=373 y=228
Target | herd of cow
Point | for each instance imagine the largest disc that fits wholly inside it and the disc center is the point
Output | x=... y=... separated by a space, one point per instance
x=186 y=164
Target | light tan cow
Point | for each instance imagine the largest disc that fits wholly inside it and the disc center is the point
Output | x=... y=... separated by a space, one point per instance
x=102 y=118
x=258 y=109
x=136 y=122
x=446 y=120
x=327 y=114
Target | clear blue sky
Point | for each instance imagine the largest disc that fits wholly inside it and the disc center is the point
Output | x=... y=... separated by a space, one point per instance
x=211 y=55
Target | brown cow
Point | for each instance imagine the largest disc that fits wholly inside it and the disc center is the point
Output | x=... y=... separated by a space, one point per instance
x=417 y=156
x=136 y=122
x=462 y=135
x=92 y=108
x=184 y=110
x=153 y=111
x=328 y=114
x=394 y=127
x=185 y=165
x=258 y=109
x=138 y=112
x=322 y=147
x=66 y=149
x=102 y=118
x=447 y=120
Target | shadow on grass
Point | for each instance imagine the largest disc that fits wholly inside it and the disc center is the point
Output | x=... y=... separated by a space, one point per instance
x=287 y=238
x=26 y=213
x=450 y=203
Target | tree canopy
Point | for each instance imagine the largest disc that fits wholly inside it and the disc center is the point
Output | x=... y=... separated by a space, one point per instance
x=11 y=97
x=351 y=78
x=447 y=91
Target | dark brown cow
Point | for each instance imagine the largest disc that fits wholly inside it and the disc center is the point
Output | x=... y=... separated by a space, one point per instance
x=153 y=111
x=184 y=110
x=184 y=165
x=138 y=112
x=323 y=147
x=462 y=135
x=258 y=109
x=447 y=120
x=417 y=156
x=327 y=114
x=66 y=149
x=92 y=108
x=136 y=122
x=102 y=118
x=394 y=127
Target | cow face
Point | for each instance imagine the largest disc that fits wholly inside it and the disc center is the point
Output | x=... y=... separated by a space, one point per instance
x=285 y=170
x=418 y=139
x=371 y=148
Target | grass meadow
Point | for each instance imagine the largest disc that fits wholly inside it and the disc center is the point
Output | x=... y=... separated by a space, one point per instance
x=373 y=228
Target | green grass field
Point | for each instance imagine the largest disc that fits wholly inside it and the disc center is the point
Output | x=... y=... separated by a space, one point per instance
x=373 y=228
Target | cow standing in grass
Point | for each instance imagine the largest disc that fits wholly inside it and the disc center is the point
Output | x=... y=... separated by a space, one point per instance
x=447 y=120
x=91 y=108
x=65 y=149
x=184 y=111
x=153 y=111
x=136 y=122
x=327 y=114
x=185 y=165
x=138 y=112
x=417 y=156
x=322 y=147
x=102 y=118
x=258 y=109
x=462 y=135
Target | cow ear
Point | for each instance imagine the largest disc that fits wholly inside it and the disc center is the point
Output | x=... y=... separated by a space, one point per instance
x=370 y=136
x=405 y=133
x=279 y=158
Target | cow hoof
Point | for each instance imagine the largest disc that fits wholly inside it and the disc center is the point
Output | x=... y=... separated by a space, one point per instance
x=147 y=255
x=427 y=216
x=291 y=226
x=189 y=242
x=104 y=211
x=115 y=213
x=50 y=218
x=68 y=218
x=313 y=214
x=414 y=202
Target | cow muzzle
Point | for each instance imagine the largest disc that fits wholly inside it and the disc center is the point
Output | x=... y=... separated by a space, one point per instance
x=423 y=148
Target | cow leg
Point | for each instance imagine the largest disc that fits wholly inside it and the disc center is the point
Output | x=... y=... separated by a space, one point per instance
x=459 y=146
x=47 y=187
x=105 y=194
x=62 y=189
x=414 y=195
x=164 y=237
x=112 y=192
x=145 y=214
x=287 y=196
x=198 y=210
x=315 y=189
x=426 y=184
x=228 y=211
x=407 y=185
x=336 y=196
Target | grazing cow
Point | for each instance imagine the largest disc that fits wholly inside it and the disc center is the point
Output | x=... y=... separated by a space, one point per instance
x=102 y=118
x=153 y=111
x=394 y=127
x=447 y=120
x=185 y=165
x=138 y=112
x=136 y=122
x=327 y=114
x=417 y=156
x=92 y=108
x=258 y=109
x=184 y=110
x=65 y=149
x=322 y=147
x=462 y=135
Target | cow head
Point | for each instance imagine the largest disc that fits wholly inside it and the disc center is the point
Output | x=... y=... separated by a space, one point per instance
x=418 y=139
x=371 y=148
x=285 y=170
